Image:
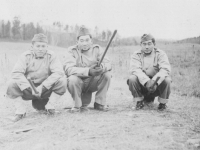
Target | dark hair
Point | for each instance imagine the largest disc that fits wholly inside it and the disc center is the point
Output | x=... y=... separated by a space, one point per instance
x=82 y=35
x=153 y=39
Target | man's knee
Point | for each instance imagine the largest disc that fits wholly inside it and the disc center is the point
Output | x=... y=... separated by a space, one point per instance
x=74 y=80
x=13 y=91
x=61 y=86
x=12 y=84
x=167 y=81
x=132 y=79
x=63 y=81
x=107 y=76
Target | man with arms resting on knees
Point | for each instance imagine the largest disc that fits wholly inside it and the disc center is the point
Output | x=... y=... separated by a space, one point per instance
x=45 y=70
x=145 y=66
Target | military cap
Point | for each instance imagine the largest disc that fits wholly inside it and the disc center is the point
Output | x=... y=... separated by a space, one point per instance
x=147 y=37
x=83 y=31
x=40 y=38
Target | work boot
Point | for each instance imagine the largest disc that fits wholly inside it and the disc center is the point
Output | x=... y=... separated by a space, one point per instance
x=84 y=109
x=100 y=107
x=18 y=117
x=39 y=104
x=75 y=109
x=50 y=111
x=162 y=107
x=139 y=105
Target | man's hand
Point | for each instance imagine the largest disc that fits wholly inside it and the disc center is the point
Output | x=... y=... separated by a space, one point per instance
x=95 y=71
x=149 y=85
x=39 y=90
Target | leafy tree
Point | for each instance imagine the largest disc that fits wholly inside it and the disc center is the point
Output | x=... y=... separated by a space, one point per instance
x=30 y=30
x=7 y=30
x=66 y=28
x=96 y=30
x=103 y=35
x=76 y=29
x=3 y=29
x=16 y=28
x=109 y=33
x=39 y=29
x=24 y=32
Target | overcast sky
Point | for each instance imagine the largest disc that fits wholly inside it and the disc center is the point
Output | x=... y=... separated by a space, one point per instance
x=171 y=19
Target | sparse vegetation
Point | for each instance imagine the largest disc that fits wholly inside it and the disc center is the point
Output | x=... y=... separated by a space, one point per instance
x=121 y=127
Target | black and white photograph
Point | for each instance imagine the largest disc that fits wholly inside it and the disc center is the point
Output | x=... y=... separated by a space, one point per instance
x=100 y=74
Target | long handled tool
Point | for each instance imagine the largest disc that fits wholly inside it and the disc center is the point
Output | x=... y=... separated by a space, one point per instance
x=100 y=61
x=32 y=85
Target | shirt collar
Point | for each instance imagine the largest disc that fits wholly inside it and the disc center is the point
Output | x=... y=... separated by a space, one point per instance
x=140 y=51
x=41 y=57
x=82 y=51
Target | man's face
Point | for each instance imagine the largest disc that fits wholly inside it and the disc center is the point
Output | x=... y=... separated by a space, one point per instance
x=147 y=46
x=40 y=48
x=84 y=42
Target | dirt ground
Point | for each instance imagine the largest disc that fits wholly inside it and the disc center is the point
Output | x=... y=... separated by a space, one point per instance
x=120 y=128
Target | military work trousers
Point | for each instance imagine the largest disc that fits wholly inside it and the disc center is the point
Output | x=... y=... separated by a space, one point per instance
x=140 y=92
x=14 y=91
x=76 y=86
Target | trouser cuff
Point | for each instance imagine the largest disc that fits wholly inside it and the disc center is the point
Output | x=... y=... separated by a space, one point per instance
x=162 y=100
x=100 y=102
x=52 y=100
x=20 y=106
x=138 y=99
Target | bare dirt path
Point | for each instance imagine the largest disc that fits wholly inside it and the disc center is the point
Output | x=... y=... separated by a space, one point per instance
x=120 y=128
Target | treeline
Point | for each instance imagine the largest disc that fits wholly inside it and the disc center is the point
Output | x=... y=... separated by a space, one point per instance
x=58 y=34
x=195 y=40
x=15 y=30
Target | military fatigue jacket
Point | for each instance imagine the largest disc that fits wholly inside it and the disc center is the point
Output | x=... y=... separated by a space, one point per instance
x=160 y=63
x=78 y=62
x=46 y=70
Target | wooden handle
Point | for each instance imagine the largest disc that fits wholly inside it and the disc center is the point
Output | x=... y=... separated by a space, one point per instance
x=108 y=45
x=32 y=85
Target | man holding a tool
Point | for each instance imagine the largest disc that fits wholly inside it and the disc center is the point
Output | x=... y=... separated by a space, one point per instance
x=85 y=75
x=38 y=76
x=150 y=74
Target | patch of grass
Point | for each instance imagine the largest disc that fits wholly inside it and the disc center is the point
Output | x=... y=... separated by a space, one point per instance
x=184 y=59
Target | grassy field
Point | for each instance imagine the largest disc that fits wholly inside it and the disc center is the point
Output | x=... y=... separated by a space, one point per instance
x=120 y=128
x=184 y=59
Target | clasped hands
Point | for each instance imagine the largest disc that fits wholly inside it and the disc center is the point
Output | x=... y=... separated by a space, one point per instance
x=150 y=87
x=95 y=70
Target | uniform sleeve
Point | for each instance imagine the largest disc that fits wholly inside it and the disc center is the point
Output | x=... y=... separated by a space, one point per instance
x=164 y=67
x=136 y=69
x=70 y=66
x=106 y=64
x=56 y=72
x=18 y=73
